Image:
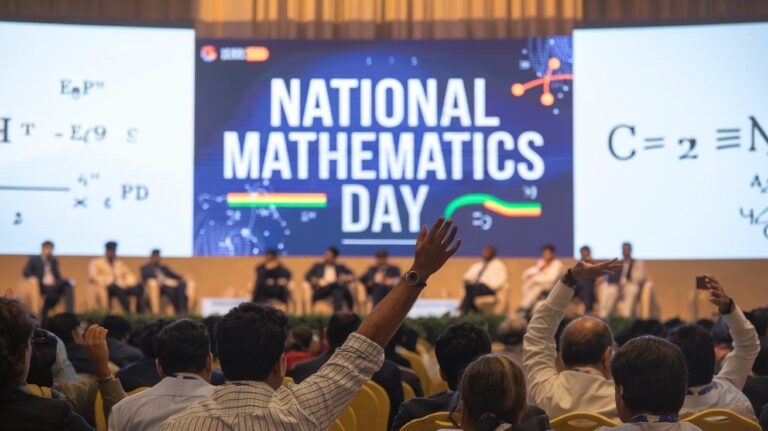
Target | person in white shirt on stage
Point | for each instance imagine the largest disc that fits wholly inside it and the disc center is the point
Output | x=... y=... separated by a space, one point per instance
x=625 y=285
x=586 y=347
x=114 y=278
x=483 y=278
x=650 y=378
x=539 y=279
x=723 y=391
x=184 y=361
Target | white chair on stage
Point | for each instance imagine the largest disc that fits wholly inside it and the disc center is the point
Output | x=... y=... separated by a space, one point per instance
x=494 y=304
x=28 y=293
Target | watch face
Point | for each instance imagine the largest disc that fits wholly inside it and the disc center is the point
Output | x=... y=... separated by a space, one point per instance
x=412 y=277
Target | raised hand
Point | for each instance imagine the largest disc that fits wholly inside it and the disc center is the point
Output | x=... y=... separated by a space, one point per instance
x=594 y=269
x=433 y=248
x=95 y=344
x=717 y=295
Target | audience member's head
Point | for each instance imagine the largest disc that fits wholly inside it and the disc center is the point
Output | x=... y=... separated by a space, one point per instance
x=381 y=257
x=66 y=326
x=340 y=325
x=639 y=328
x=250 y=341
x=585 y=252
x=147 y=341
x=459 y=345
x=587 y=342
x=699 y=350
x=759 y=319
x=300 y=338
x=331 y=254
x=183 y=347
x=760 y=366
x=211 y=325
x=492 y=393
x=512 y=331
x=47 y=248
x=110 y=249
x=489 y=252
x=15 y=332
x=117 y=327
x=548 y=252
x=626 y=250
x=650 y=377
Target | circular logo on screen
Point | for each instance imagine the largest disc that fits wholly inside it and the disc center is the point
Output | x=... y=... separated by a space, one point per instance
x=209 y=53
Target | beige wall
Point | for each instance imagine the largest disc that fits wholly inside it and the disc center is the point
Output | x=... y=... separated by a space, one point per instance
x=745 y=280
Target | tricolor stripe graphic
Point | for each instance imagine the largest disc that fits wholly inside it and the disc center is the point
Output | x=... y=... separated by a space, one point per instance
x=496 y=205
x=282 y=200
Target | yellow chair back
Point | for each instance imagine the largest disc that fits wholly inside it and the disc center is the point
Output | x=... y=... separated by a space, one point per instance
x=382 y=400
x=581 y=421
x=408 y=392
x=337 y=426
x=433 y=422
x=98 y=413
x=365 y=405
x=348 y=419
x=418 y=367
x=722 y=420
x=39 y=391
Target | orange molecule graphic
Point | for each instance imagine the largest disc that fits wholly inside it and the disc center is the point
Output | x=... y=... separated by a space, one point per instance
x=518 y=90
x=553 y=63
x=547 y=98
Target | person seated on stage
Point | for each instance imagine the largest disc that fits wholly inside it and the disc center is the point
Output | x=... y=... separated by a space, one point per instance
x=511 y=333
x=340 y=326
x=272 y=279
x=586 y=347
x=459 y=345
x=120 y=352
x=483 y=278
x=539 y=279
x=585 y=291
x=251 y=345
x=706 y=390
x=299 y=344
x=380 y=278
x=45 y=268
x=66 y=326
x=169 y=283
x=184 y=362
x=650 y=381
x=493 y=397
x=625 y=284
x=111 y=273
x=330 y=279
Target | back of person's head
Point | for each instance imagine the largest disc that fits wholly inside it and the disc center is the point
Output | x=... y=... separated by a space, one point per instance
x=148 y=339
x=492 y=393
x=459 y=345
x=211 y=324
x=650 y=377
x=699 y=350
x=117 y=326
x=759 y=319
x=340 y=325
x=512 y=331
x=585 y=341
x=183 y=346
x=300 y=337
x=15 y=331
x=250 y=339
x=63 y=324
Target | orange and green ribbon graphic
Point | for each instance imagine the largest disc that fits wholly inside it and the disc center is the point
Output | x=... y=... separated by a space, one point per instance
x=494 y=204
x=282 y=200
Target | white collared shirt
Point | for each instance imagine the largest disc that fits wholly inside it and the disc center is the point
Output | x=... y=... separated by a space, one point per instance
x=493 y=275
x=146 y=410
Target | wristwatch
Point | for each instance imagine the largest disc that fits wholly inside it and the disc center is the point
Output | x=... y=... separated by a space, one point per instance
x=415 y=279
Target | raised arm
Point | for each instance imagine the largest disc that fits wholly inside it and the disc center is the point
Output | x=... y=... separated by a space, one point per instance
x=746 y=345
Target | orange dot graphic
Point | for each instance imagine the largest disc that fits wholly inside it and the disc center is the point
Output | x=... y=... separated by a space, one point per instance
x=547 y=99
x=517 y=89
x=553 y=63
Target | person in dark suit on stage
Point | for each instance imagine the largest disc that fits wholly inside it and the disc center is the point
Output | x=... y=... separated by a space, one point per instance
x=331 y=279
x=585 y=290
x=45 y=268
x=339 y=327
x=168 y=282
x=272 y=280
x=380 y=278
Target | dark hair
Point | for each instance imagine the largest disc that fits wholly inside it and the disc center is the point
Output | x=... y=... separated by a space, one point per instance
x=62 y=325
x=760 y=366
x=585 y=247
x=493 y=392
x=250 y=340
x=47 y=242
x=759 y=319
x=512 y=331
x=382 y=253
x=116 y=326
x=585 y=346
x=147 y=341
x=652 y=375
x=110 y=245
x=549 y=247
x=340 y=325
x=302 y=337
x=334 y=251
x=459 y=345
x=699 y=350
x=271 y=252
x=15 y=332
x=211 y=324
x=183 y=346
x=155 y=251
